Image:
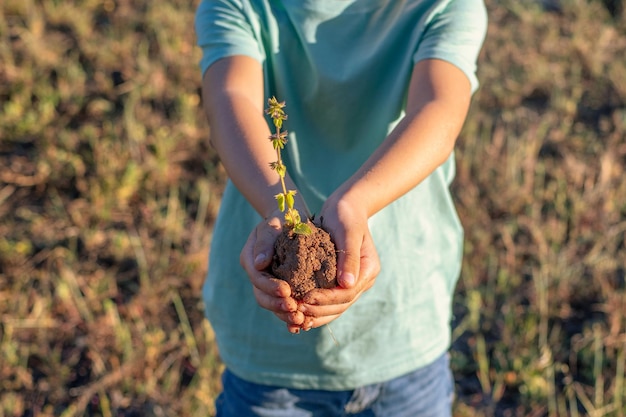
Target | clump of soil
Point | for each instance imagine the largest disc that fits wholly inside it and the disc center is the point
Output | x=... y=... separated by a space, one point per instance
x=305 y=261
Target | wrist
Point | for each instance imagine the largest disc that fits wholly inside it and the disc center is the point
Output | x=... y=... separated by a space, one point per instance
x=354 y=196
x=349 y=206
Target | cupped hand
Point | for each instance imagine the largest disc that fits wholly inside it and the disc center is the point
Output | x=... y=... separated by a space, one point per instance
x=270 y=292
x=358 y=263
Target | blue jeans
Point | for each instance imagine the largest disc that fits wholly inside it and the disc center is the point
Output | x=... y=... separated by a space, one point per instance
x=426 y=392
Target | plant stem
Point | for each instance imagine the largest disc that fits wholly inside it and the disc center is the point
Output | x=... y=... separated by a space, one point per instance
x=280 y=162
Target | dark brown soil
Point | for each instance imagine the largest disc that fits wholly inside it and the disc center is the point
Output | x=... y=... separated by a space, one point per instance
x=305 y=261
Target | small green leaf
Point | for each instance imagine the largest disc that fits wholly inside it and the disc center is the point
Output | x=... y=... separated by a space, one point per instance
x=295 y=216
x=292 y=218
x=280 y=198
x=279 y=139
x=281 y=169
x=275 y=110
x=276 y=144
x=302 y=229
x=290 y=199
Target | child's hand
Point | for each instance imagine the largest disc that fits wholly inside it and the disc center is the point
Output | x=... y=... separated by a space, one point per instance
x=357 y=264
x=271 y=293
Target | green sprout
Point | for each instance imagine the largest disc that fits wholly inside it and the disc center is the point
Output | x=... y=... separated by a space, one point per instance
x=286 y=199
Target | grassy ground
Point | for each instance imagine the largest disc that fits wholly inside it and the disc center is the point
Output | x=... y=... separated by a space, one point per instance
x=108 y=191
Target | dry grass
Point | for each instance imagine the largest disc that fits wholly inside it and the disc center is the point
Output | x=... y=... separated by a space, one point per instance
x=108 y=190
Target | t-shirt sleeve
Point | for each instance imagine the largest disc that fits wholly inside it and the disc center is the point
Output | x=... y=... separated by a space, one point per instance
x=226 y=28
x=456 y=34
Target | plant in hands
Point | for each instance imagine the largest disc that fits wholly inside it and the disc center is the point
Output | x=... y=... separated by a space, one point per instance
x=304 y=254
x=286 y=198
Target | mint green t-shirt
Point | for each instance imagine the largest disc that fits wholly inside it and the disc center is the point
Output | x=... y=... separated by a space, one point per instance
x=343 y=68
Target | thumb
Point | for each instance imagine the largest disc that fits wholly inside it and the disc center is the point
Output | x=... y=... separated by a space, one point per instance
x=348 y=263
x=263 y=250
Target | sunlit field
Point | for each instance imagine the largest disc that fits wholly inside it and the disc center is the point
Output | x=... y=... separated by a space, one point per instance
x=109 y=189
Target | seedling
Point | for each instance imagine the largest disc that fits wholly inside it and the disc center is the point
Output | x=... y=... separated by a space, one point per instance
x=286 y=199
x=301 y=272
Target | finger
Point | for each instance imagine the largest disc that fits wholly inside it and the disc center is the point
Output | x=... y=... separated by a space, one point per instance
x=270 y=285
x=246 y=257
x=348 y=262
x=327 y=302
x=292 y=319
x=322 y=321
x=274 y=304
x=288 y=314
x=263 y=250
x=307 y=324
x=370 y=262
x=329 y=296
x=294 y=329
x=261 y=280
x=325 y=310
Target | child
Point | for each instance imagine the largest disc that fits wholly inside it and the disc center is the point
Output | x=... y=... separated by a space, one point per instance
x=376 y=93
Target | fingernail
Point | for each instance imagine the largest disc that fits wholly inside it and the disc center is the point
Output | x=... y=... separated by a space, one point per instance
x=260 y=258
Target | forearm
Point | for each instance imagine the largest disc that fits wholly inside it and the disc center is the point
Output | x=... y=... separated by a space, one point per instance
x=234 y=103
x=415 y=148
x=437 y=106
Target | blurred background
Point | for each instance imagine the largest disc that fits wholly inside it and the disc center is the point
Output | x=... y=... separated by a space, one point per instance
x=109 y=189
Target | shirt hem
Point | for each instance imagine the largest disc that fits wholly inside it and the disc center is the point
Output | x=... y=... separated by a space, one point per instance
x=338 y=382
